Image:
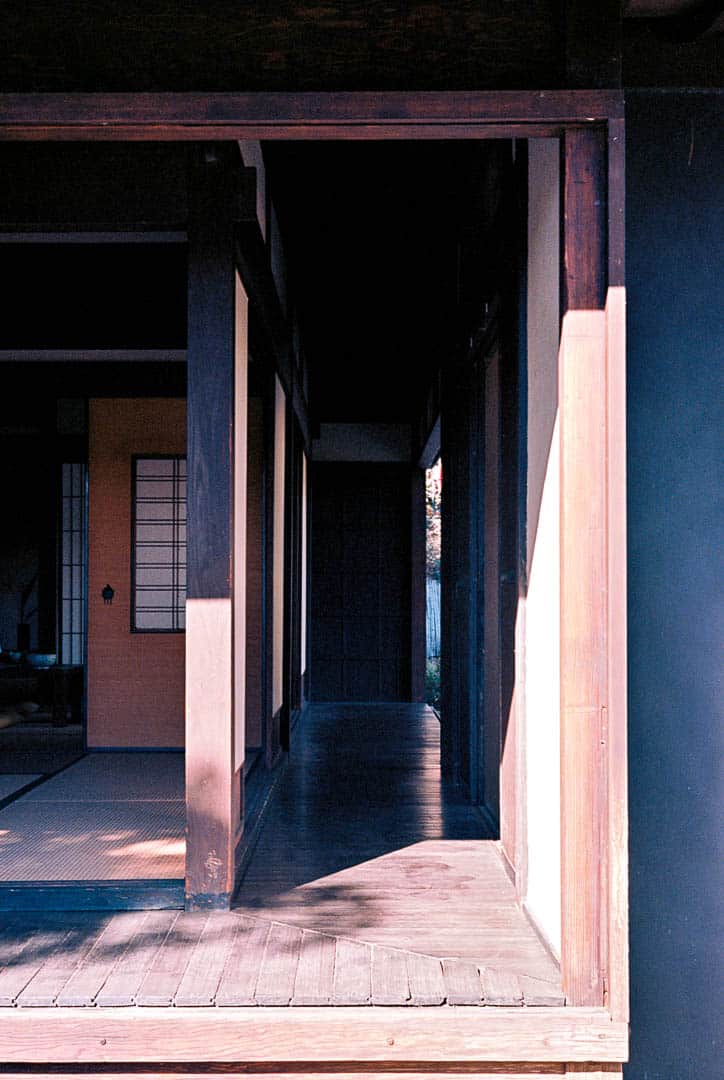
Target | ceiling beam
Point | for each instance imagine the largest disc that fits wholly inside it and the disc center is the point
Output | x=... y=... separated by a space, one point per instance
x=180 y=117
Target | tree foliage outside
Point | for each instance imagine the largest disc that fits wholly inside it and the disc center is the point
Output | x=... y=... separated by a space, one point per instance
x=433 y=504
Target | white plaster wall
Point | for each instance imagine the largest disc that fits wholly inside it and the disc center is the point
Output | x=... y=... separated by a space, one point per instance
x=542 y=606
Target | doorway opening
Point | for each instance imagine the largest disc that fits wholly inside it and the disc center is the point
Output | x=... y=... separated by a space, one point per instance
x=433 y=561
x=592 y=626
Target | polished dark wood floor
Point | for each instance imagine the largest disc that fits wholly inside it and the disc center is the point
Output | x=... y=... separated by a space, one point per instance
x=363 y=840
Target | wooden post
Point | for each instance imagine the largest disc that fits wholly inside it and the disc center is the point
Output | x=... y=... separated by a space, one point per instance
x=212 y=810
x=617 y=863
x=584 y=674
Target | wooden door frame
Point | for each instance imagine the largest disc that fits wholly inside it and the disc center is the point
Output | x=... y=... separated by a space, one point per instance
x=593 y=590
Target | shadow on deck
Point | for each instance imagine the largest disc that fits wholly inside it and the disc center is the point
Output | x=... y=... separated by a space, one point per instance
x=370 y=884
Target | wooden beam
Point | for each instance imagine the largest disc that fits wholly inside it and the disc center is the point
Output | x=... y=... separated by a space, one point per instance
x=168 y=116
x=92 y=356
x=582 y=413
x=489 y=1071
x=350 y=1036
x=211 y=808
x=585 y=221
x=595 y=1071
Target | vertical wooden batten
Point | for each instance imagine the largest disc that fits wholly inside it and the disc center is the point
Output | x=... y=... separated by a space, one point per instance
x=241 y=412
x=584 y=612
x=617 y=863
x=212 y=811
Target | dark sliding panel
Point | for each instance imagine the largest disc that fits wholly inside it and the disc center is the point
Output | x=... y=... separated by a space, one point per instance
x=361 y=583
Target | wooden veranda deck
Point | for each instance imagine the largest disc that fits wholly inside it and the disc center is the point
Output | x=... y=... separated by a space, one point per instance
x=370 y=884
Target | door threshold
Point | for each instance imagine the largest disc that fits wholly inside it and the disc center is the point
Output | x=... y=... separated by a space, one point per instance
x=112 y=895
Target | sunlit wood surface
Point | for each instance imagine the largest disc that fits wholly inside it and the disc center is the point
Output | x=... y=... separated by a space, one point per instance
x=363 y=840
x=370 y=885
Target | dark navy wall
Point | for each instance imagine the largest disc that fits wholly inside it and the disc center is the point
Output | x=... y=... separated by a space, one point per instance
x=675 y=273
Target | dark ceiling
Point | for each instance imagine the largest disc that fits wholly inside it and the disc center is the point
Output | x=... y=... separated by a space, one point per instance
x=285 y=45
x=372 y=238
x=88 y=45
x=93 y=296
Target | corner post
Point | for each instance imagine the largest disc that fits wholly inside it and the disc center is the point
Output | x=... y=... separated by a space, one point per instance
x=583 y=551
x=212 y=796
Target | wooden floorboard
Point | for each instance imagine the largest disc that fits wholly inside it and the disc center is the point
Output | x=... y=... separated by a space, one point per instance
x=363 y=840
x=123 y=982
x=362 y=892
x=86 y=981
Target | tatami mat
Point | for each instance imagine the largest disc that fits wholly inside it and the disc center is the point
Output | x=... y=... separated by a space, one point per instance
x=11 y=783
x=108 y=817
x=117 y=777
x=98 y=841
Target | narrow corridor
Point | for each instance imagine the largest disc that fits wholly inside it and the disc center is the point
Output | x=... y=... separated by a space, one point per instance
x=363 y=840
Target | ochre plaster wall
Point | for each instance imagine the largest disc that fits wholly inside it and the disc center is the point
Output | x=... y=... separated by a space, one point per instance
x=135 y=681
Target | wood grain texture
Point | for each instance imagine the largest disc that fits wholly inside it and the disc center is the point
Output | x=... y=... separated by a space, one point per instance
x=537 y=992
x=583 y=652
x=202 y=974
x=212 y=812
x=362 y=841
x=22 y=956
x=224 y=116
x=583 y=409
x=241 y=971
x=462 y=982
x=162 y=979
x=501 y=987
x=424 y=974
x=585 y=220
x=593 y=1071
x=389 y=977
x=88 y=978
x=496 y=1071
x=121 y=985
x=227 y=959
x=616 y=713
x=352 y=973
x=315 y=971
x=312 y=1035
x=275 y=985
x=45 y=986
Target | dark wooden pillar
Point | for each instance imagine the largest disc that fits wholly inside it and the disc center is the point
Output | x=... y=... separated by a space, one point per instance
x=212 y=797
x=49 y=508
x=462 y=428
x=584 y=525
